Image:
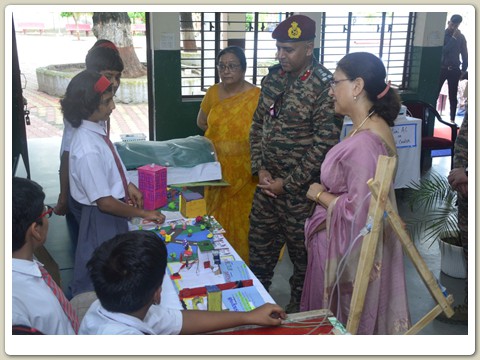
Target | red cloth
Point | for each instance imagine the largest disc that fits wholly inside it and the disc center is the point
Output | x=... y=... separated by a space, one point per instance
x=119 y=166
x=302 y=327
x=66 y=306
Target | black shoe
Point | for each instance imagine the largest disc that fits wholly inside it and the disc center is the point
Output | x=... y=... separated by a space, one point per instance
x=460 y=317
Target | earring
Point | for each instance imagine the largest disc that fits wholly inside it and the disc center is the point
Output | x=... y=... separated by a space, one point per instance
x=355 y=98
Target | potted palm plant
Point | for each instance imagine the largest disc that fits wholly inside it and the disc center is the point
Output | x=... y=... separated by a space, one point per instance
x=435 y=219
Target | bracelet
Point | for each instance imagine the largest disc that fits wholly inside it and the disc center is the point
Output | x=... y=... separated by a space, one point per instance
x=317 y=198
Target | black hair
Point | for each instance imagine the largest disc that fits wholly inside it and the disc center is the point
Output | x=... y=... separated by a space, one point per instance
x=127 y=270
x=103 y=56
x=371 y=69
x=81 y=100
x=456 y=19
x=238 y=52
x=27 y=205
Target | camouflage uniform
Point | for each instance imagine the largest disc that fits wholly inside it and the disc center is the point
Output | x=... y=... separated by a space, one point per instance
x=460 y=160
x=291 y=147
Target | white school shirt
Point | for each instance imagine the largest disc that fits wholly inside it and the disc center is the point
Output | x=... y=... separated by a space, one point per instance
x=68 y=130
x=93 y=172
x=34 y=304
x=158 y=321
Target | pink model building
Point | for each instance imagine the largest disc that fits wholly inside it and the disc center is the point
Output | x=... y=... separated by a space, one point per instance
x=152 y=182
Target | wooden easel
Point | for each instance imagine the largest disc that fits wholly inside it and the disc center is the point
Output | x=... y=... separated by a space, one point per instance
x=379 y=205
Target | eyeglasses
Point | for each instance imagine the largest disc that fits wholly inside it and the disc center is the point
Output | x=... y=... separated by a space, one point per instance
x=230 y=67
x=276 y=107
x=47 y=212
x=333 y=83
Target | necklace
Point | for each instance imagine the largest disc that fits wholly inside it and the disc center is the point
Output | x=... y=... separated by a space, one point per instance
x=362 y=123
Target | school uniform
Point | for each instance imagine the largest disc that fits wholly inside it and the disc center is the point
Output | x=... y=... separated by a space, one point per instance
x=67 y=136
x=158 y=321
x=93 y=174
x=33 y=302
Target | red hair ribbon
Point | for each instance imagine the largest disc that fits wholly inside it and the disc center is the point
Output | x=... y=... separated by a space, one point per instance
x=382 y=94
x=108 y=44
x=101 y=85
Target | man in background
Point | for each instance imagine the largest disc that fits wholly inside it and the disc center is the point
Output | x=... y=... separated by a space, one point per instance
x=452 y=70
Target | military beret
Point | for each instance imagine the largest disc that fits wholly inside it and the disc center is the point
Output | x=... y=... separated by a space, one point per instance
x=456 y=19
x=295 y=28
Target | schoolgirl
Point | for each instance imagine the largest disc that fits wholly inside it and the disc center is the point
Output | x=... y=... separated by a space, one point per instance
x=99 y=182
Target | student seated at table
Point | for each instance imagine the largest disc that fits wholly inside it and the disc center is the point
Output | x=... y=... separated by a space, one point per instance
x=127 y=273
x=37 y=302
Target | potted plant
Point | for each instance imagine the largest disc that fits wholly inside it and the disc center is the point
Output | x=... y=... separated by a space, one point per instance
x=435 y=219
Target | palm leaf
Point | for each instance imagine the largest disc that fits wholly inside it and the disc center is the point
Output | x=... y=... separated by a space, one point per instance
x=434 y=206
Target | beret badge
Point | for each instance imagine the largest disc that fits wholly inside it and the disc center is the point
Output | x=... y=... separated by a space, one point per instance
x=294 y=31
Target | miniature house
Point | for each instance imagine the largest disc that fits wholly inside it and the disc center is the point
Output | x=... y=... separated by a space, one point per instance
x=192 y=204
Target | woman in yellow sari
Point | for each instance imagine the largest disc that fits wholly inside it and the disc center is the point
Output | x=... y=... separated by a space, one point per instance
x=225 y=115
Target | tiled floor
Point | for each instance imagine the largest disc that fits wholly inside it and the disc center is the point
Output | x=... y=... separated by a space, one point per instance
x=44 y=170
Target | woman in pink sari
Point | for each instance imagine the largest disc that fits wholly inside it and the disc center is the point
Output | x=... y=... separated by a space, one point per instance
x=333 y=234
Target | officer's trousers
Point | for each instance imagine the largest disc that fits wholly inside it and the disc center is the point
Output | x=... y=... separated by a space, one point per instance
x=274 y=222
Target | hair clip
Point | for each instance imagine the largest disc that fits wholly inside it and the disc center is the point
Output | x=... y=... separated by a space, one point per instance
x=101 y=85
x=382 y=94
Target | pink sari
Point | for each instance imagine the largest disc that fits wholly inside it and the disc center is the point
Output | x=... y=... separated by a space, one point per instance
x=345 y=172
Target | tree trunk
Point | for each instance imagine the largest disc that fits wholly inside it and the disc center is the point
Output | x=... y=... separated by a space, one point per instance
x=187 y=30
x=76 y=25
x=116 y=27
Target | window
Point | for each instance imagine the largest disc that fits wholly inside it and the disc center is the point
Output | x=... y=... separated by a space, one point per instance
x=388 y=35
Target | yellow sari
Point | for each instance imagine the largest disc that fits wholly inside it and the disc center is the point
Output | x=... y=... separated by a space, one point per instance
x=229 y=122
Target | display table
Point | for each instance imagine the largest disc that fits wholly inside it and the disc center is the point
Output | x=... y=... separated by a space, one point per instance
x=198 y=276
x=192 y=283
x=407 y=132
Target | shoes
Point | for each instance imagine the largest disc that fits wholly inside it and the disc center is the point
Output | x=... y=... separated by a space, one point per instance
x=460 y=317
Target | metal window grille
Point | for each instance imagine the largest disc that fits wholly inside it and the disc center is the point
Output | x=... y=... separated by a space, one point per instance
x=388 y=35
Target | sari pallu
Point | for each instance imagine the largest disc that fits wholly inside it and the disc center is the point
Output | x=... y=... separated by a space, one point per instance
x=229 y=122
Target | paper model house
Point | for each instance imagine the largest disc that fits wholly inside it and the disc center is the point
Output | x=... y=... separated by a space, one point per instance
x=192 y=204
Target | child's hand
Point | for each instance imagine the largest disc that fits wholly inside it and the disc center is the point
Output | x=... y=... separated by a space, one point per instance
x=135 y=196
x=267 y=315
x=154 y=216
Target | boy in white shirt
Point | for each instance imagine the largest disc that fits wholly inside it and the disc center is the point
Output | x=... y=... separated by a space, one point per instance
x=127 y=272
x=35 y=304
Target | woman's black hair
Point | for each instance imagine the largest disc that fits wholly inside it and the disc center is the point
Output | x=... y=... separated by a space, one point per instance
x=386 y=102
x=238 y=52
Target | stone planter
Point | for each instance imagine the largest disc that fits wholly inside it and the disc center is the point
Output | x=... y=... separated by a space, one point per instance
x=452 y=260
x=53 y=80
